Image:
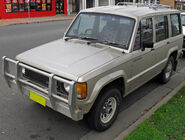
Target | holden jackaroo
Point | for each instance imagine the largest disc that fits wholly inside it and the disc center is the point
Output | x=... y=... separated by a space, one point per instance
x=106 y=53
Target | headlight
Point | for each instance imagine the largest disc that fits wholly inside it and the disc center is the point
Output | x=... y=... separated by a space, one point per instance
x=66 y=87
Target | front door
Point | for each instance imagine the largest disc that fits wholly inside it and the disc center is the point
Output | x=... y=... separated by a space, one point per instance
x=142 y=59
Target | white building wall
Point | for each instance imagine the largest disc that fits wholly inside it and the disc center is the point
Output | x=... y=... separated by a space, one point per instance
x=96 y=3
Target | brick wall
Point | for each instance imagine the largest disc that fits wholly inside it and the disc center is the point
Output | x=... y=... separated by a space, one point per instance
x=168 y=2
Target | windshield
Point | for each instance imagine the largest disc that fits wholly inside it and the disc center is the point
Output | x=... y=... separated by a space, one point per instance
x=103 y=28
x=183 y=20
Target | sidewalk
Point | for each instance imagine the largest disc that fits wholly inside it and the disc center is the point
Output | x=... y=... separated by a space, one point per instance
x=4 y=22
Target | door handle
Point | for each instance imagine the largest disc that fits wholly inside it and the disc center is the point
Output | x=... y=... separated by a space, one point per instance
x=137 y=59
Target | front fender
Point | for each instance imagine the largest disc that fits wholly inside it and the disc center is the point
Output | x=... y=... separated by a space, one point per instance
x=103 y=82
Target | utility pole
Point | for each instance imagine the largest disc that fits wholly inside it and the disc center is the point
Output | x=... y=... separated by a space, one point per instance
x=28 y=10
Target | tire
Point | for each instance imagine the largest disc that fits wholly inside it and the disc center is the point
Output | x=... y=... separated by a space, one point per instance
x=166 y=74
x=105 y=110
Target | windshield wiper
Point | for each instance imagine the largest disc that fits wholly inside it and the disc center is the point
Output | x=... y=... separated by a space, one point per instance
x=79 y=37
x=70 y=37
x=114 y=44
x=88 y=38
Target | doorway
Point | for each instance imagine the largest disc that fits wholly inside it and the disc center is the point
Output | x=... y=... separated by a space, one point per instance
x=59 y=6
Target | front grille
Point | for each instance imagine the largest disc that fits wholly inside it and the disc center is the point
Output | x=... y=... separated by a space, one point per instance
x=36 y=77
x=44 y=81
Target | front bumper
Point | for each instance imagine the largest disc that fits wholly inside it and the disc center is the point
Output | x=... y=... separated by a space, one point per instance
x=66 y=106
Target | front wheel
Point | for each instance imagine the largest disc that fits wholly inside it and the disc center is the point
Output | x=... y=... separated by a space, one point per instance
x=166 y=74
x=105 y=110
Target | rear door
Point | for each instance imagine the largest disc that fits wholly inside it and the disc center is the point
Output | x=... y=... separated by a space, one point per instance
x=168 y=35
x=162 y=41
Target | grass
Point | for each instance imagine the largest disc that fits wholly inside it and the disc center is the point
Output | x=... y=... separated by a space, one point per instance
x=167 y=123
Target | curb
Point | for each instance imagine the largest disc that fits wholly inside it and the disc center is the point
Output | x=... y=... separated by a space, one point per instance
x=32 y=22
x=125 y=133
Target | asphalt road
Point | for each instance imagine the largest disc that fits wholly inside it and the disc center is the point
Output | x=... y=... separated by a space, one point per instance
x=22 y=119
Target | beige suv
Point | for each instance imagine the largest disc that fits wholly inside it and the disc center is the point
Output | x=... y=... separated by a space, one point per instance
x=106 y=53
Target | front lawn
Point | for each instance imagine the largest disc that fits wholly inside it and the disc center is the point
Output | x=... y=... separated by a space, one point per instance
x=167 y=123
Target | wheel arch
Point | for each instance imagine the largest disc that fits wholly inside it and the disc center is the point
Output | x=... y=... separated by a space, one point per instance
x=112 y=79
x=174 y=54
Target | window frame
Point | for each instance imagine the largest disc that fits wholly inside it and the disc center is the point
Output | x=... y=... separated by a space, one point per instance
x=168 y=27
x=139 y=26
x=180 y=24
x=131 y=36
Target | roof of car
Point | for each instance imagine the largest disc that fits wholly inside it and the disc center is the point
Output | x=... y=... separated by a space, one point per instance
x=183 y=13
x=131 y=10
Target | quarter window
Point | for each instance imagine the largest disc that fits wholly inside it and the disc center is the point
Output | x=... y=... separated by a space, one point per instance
x=161 y=25
x=175 y=24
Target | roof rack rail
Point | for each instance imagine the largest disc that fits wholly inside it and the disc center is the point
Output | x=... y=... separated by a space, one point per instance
x=150 y=5
x=126 y=3
x=157 y=6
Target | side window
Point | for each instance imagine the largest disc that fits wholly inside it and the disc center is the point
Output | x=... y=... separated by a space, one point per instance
x=146 y=30
x=161 y=25
x=175 y=24
x=144 y=33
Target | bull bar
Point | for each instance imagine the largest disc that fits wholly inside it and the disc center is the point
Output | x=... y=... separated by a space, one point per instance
x=66 y=106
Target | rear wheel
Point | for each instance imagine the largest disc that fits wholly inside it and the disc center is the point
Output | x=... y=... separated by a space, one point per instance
x=105 y=110
x=166 y=74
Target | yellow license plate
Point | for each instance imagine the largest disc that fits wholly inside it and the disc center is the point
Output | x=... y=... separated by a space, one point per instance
x=37 y=98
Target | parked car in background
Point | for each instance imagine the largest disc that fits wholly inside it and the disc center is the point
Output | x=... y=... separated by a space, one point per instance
x=183 y=30
x=106 y=53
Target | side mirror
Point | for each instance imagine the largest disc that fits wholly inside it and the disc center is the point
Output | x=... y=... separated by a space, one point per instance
x=147 y=45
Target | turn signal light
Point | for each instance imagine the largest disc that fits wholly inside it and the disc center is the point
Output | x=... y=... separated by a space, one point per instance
x=82 y=90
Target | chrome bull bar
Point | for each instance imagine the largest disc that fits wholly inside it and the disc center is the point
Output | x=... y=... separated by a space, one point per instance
x=71 y=110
